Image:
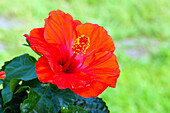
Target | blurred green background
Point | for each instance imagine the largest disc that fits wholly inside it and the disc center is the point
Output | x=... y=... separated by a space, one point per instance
x=140 y=30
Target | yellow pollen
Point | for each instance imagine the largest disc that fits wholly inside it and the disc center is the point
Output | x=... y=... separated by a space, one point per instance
x=81 y=44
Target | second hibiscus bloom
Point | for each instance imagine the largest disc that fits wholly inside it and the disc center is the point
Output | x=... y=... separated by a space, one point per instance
x=2 y=75
x=74 y=55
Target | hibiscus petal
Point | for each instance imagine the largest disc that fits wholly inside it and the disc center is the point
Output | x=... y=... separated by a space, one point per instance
x=93 y=90
x=39 y=45
x=37 y=42
x=103 y=66
x=46 y=75
x=76 y=23
x=61 y=79
x=75 y=81
x=43 y=70
x=96 y=33
x=60 y=30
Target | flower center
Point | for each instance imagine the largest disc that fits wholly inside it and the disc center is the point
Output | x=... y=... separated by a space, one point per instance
x=81 y=44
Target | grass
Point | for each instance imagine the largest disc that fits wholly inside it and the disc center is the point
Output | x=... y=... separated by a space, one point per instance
x=143 y=85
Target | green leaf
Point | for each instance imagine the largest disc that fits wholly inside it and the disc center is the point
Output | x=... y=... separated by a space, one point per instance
x=47 y=98
x=64 y=96
x=92 y=105
x=73 y=109
x=14 y=105
x=19 y=68
x=39 y=100
x=1 y=81
x=1 y=104
x=13 y=84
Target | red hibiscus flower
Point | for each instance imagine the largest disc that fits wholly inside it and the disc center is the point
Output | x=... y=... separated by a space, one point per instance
x=2 y=75
x=74 y=55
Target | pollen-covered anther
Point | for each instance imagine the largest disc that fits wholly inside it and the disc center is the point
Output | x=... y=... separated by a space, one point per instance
x=81 y=44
